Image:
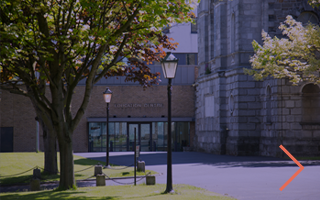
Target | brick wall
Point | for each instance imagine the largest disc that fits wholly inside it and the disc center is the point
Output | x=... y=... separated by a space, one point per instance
x=17 y=111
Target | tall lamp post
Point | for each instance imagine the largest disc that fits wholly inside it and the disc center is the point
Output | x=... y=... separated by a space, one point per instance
x=169 y=67
x=107 y=98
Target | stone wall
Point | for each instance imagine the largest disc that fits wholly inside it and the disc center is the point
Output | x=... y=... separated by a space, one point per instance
x=245 y=118
x=207 y=128
x=289 y=125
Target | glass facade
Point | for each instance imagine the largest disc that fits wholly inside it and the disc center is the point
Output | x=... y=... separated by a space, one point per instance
x=151 y=136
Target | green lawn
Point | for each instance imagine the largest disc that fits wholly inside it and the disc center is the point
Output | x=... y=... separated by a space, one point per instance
x=14 y=163
x=120 y=192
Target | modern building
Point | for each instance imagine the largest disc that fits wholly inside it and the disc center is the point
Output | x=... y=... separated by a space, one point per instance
x=236 y=115
x=131 y=107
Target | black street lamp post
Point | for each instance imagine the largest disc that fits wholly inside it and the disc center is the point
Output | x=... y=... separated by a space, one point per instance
x=169 y=66
x=107 y=98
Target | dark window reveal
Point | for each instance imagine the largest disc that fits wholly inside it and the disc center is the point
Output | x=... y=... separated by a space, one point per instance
x=194 y=27
x=6 y=139
x=190 y=59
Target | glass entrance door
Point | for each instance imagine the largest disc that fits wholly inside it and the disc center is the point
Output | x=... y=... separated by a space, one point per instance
x=143 y=136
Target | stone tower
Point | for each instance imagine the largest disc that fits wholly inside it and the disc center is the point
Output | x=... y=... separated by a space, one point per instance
x=236 y=115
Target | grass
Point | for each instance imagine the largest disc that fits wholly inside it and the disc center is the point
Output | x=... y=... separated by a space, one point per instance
x=120 y=192
x=14 y=163
x=304 y=158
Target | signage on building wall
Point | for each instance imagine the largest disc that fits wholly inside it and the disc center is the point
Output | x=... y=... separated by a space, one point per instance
x=94 y=128
x=138 y=105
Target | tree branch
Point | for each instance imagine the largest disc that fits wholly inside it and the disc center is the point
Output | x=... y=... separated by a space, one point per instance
x=113 y=61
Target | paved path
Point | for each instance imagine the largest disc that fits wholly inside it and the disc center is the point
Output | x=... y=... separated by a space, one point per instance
x=245 y=178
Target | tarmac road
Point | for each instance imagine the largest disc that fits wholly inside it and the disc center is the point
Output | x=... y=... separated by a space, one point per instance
x=243 y=177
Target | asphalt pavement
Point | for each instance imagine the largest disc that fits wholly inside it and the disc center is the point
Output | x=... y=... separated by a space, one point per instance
x=241 y=177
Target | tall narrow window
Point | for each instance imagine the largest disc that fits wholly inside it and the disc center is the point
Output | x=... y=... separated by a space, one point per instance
x=268 y=106
x=194 y=26
x=209 y=106
x=231 y=104
x=190 y=59
x=311 y=104
x=232 y=37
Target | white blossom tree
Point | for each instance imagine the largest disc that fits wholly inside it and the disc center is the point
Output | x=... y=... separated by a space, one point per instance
x=296 y=56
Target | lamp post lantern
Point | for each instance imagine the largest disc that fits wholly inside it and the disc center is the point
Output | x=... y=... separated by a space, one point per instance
x=107 y=94
x=169 y=67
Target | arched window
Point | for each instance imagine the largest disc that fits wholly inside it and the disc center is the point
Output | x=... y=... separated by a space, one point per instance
x=311 y=104
x=268 y=102
x=308 y=17
x=231 y=103
x=232 y=36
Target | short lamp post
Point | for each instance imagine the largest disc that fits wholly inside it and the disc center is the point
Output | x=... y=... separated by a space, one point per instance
x=107 y=98
x=169 y=67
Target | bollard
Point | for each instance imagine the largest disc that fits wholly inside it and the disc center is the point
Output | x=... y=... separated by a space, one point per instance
x=150 y=180
x=35 y=185
x=141 y=166
x=100 y=180
x=97 y=170
x=36 y=174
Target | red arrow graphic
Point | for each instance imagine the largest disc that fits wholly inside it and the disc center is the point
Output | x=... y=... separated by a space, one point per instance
x=294 y=160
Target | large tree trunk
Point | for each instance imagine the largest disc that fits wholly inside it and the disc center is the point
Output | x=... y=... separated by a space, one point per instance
x=50 y=150
x=66 y=165
x=49 y=141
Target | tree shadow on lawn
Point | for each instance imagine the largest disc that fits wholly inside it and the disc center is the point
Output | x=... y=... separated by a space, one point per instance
x=15 y=180
x=27 y=178
x=54 y=195
x=87 y=161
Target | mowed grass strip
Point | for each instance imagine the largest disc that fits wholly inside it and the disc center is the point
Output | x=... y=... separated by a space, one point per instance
x=14 y=163
x=154 y=192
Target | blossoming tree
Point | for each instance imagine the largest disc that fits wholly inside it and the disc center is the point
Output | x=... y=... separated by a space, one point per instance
x=296 y=56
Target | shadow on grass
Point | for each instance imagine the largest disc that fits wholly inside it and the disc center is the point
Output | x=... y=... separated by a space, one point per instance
x=15 y=180
x=27 y=178
x=86 y=161
x=54 y=195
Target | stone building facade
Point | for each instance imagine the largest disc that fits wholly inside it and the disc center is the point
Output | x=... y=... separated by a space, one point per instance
x=236 y=115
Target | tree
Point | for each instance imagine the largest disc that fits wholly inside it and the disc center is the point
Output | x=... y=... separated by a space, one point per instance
x=50 y=46
x=296 y=56
x=49 y=144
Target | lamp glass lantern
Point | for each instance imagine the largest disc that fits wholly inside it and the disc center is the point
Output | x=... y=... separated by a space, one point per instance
x=169 y=65
x=107 y=95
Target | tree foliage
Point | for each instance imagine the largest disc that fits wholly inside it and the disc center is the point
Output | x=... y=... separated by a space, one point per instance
x=55 y=44
x=296 y=56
